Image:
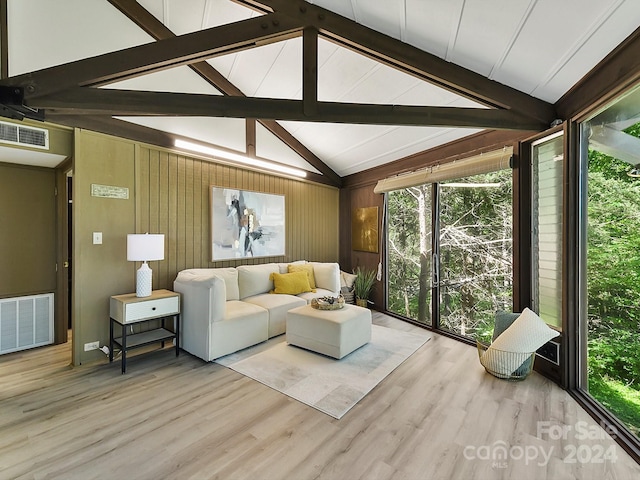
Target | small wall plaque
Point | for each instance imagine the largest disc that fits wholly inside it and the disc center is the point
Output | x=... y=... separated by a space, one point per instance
x=109 y=191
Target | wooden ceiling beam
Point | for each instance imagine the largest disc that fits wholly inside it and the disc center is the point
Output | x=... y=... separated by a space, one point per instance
x=408 y=58
x=310 y=70
x=163 y=54
x=159 y=31
x=98 y=101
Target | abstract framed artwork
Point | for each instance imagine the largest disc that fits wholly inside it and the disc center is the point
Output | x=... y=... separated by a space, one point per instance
x=364 y=229
x=246 y=224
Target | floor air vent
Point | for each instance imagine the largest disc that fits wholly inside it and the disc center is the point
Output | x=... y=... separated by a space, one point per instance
x=26 y=322
x=26 y=136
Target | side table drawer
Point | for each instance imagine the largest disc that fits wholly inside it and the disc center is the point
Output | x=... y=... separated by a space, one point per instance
x=152 y=308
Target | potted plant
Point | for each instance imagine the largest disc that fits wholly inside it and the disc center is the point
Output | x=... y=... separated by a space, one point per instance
x=363 y=285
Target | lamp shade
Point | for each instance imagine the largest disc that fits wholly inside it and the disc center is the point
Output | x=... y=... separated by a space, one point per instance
x=145 y=247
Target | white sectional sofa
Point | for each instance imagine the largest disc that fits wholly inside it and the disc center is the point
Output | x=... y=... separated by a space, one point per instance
x=228 y=309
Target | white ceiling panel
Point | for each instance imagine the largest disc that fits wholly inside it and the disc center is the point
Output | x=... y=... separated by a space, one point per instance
x=177 y=80
x=485 y=34
x=52 y=33
x=431 y=25
x=184 y=16
x=552 y=32
x=271 y=147
x=407 y=141
x=386 y=17
x=225 y=132
x=596 y=43
x=348 y=76
x=273 y=70
x=349 y=149
x=283 y=78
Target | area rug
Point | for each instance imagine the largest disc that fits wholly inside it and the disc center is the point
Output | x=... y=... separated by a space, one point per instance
x=329 y=385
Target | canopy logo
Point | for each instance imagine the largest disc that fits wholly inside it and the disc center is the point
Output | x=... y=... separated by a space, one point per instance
x=572 y=443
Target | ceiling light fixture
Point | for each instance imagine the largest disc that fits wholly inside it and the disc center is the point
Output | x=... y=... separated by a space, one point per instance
x=236 y=157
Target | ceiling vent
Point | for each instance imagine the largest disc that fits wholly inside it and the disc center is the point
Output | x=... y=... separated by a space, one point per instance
x=25 y=136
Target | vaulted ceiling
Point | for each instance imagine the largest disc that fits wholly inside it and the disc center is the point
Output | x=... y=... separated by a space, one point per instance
x=337 y=86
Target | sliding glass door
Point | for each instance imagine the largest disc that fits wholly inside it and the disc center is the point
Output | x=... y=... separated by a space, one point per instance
x=452 y=241
x=409 y=248
x=475 y=258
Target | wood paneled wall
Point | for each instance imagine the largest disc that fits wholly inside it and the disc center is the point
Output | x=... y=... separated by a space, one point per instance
x=350 y=199
x=169 y=194
x=173 y=197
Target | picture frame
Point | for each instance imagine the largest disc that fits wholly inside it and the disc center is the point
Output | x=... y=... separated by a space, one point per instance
x=246 y=224
x=364 y=229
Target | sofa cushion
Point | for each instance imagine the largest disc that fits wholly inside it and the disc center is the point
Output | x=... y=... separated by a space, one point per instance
x=290 y=283
x=284 y=267
x=190 y=284
x=327 y=276
x=254 y=279
x=229 y=275
x=317 y=293
x=277 y=306
x=307 y=267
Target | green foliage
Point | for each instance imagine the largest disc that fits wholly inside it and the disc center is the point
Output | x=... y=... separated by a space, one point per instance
x=475 y=252
x=613 y=285
x=618 y=398
x=363 y=283
x=404 y=249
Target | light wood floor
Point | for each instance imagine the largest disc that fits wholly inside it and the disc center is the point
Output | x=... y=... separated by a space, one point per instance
x=437 y=416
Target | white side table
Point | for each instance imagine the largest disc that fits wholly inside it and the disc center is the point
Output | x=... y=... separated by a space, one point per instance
x=128 y=309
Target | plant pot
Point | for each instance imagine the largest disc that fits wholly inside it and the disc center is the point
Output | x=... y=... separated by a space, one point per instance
x=361 y=302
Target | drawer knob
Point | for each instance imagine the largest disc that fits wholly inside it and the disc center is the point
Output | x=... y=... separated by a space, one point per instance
x=153 y=308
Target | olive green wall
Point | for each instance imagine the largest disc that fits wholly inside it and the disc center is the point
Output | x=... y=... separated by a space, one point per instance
x=27 y=230
x=99 y=270
x=169 y=194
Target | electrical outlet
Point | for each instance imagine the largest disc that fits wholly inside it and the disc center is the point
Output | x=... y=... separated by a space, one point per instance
x=91 y=346
x=550 y=351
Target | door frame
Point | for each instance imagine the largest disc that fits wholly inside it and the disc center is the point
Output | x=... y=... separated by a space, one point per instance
x=62 y=306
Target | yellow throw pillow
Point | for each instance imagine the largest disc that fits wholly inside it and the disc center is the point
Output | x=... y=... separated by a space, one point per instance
x=307 y=267
x=291 y=283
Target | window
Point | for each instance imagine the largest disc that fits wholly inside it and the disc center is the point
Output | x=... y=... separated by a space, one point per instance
x=546 y=240
x=450 y=240
x=609 y=267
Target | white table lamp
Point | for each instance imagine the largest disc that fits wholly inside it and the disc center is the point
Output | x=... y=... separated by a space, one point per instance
x=144 y=248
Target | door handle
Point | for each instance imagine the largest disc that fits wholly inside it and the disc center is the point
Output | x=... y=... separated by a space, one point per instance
x=435 y=269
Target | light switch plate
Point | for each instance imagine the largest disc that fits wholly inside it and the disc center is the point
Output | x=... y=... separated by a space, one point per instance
x=97 y=238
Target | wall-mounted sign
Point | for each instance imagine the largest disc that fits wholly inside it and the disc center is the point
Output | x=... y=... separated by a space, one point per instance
x=109 y=191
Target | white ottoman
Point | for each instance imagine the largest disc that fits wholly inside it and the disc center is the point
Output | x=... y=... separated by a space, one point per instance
x=335 y=333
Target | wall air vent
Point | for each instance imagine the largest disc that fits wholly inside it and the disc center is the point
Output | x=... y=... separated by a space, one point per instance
x=25 y=136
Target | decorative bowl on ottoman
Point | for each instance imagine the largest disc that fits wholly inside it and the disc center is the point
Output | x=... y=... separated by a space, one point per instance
x=328 y=303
